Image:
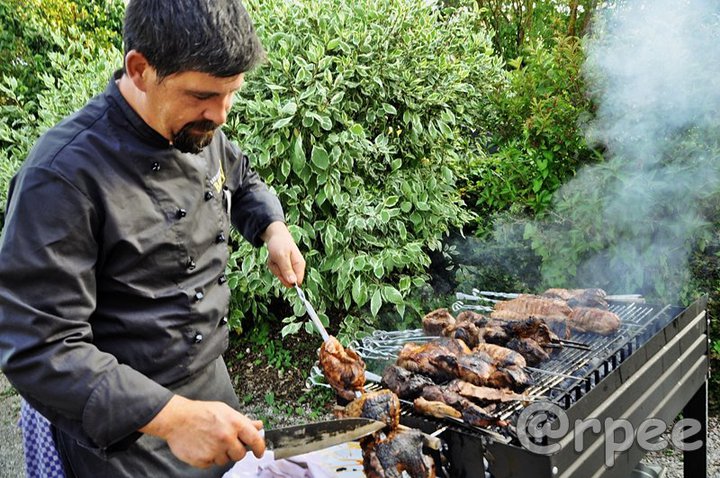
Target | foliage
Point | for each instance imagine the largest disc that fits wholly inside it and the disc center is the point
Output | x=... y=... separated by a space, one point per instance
x=359 y=120
x=34 y=29
x=517 y=23
x=537 y=142
x=79 y=72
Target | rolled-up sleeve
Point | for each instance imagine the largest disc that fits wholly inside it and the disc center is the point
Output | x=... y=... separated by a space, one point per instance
x=48 y=259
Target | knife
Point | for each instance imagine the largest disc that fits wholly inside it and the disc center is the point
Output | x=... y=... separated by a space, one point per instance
x=298 y=439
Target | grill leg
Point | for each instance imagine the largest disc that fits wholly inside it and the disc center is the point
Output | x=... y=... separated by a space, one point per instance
x=695 y=462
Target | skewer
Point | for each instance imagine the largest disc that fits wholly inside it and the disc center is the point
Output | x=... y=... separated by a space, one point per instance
x=313 y=315
x=574 y=345
x=555 y=374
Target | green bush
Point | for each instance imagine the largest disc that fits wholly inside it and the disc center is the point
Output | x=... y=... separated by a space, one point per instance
x=80 y=73
x=360 y=120
x=33 y=29
x=538 y=141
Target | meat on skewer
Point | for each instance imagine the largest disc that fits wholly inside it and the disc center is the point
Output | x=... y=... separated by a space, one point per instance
x=533 y=305
x=436 y=321
x=343 y=368
x=503 y=356
x=472 y=414
x=588 y=319
x=484 y=394
x=407 y=385
x=381 y=405
x=557 y=324
x=529 y=349
x=398 y=453
x=435 y=360
x=593 y=297
x=435 y=409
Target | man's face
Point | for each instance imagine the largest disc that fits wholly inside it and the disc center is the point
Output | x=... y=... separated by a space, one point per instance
x=188 y=107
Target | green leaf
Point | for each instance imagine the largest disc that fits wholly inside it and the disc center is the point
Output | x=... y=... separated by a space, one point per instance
x=298 y=154
x=389 y=109
x=282 y=123
x=392 y=295
x=289 y=109
x=320 y=157
x=375 y=302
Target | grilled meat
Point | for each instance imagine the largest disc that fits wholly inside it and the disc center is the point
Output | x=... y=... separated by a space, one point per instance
x=407 y=385
x=533 y=305
x=472 y=414
x=557 y=324
x=436 y=321
x=503 y=356
x=399 y=452
x=529 y=349
x=441 y=363
x=588 y=319
x=466 y=331
x=579 y=297
x=435 y=409
x=382 y=405
x=484 y=394
x=343 y=368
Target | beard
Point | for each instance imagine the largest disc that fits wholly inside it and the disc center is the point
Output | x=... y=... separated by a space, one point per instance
x=189 y=141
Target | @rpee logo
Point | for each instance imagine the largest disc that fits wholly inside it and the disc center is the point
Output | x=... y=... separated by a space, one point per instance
x=542 y=424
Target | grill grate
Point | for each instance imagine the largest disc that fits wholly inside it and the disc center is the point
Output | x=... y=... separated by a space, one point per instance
x=639 y=321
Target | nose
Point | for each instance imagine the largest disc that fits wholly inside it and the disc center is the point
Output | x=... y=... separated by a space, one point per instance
x=217 y=111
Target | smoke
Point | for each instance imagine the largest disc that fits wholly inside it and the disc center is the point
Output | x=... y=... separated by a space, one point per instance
x=653 y=69
x=630 y=223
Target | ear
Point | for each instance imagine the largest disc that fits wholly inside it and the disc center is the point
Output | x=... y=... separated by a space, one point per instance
x=139 y=70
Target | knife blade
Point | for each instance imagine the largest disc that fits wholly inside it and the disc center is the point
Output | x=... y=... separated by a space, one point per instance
x=298 y=439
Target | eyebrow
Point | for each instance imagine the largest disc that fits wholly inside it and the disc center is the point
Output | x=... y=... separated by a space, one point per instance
x=206 y=93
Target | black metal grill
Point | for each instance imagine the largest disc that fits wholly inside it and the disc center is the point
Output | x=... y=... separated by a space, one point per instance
x=655 y=366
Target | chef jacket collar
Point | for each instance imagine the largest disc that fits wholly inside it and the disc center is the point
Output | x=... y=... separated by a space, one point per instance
x=145 y=131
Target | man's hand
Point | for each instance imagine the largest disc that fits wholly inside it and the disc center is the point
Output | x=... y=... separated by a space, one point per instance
x=205 y=433
x=284 y=258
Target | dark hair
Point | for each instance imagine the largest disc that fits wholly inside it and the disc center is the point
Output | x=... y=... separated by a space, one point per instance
x=210 y=36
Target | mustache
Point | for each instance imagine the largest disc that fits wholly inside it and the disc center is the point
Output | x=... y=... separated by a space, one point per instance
x=205 y=126
x=189 y=141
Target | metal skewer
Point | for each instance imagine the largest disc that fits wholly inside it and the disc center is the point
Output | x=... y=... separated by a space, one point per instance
x=313 y=315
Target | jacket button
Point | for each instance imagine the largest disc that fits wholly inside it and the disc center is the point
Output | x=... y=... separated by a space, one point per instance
x=209 y=195
x=191 y=264
x=181 y=213
x=156 y=166
x=222 y=279
x=199 y=296
x=220 y=238
x=198 y=337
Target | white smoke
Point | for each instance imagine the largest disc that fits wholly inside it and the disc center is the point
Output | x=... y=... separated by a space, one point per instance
x=653 y=68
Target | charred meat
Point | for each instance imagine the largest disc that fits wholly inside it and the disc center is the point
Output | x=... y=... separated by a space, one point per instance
x=407 y=385
x=343 y=368
x=398 y=453
x=382 y=405
x=579 y=297
x=529 y=349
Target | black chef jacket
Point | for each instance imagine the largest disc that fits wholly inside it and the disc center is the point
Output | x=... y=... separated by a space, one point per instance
x=112 y=268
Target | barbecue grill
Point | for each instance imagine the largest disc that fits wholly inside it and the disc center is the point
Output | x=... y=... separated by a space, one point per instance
x=653 y=368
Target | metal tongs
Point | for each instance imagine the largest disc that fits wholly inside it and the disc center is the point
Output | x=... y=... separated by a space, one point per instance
x=313 y=315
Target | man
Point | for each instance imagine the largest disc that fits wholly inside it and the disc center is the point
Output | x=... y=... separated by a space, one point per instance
x=113 y=294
